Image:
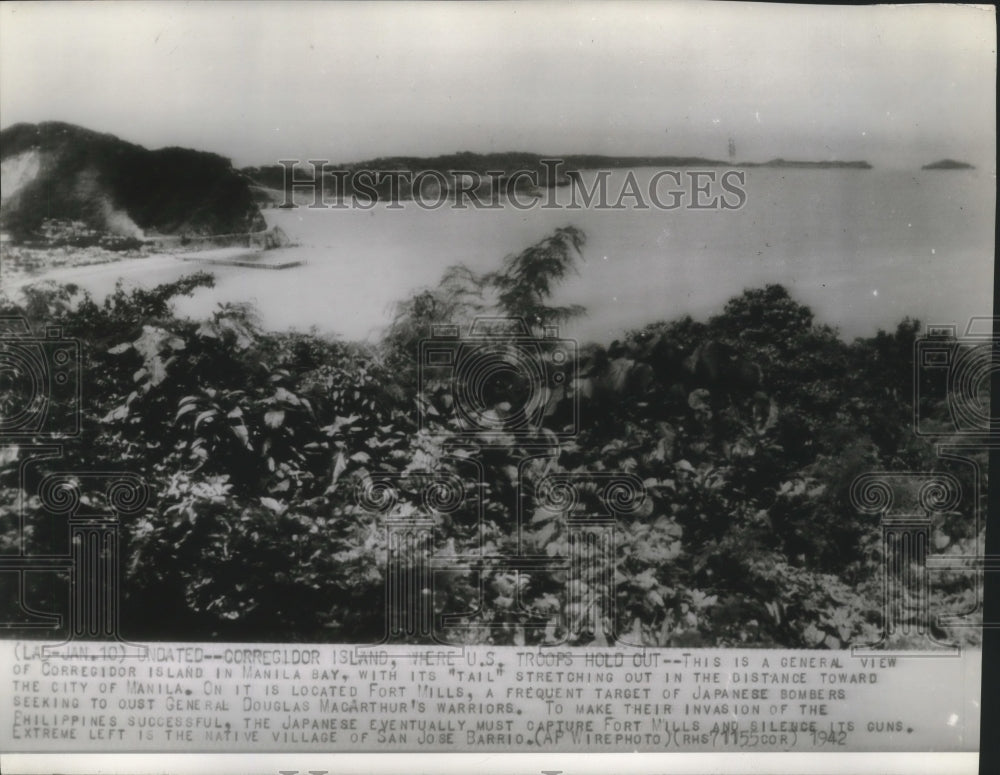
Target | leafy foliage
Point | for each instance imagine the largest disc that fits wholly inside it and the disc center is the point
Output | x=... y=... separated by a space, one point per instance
x=746 y=431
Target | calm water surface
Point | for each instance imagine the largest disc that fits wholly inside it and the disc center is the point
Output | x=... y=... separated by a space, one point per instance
x=862 y=248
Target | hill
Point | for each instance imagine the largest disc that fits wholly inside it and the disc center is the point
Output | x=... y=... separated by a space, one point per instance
x=61 y=172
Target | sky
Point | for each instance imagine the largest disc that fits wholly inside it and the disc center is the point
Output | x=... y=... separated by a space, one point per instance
x=261 y=81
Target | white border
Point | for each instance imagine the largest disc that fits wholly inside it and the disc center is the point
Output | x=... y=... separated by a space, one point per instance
x=923 y=763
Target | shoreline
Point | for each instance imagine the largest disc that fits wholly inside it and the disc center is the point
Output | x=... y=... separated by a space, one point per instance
x=73 y=268
x=23 y=264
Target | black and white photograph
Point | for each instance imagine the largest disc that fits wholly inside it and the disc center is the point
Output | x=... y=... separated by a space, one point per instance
x=495 y=378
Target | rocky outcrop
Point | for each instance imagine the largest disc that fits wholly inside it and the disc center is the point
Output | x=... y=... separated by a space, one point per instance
x=61 y=172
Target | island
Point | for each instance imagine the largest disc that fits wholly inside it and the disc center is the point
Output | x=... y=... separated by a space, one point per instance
x=948 y=164
x=481 y=173
x=812 y=165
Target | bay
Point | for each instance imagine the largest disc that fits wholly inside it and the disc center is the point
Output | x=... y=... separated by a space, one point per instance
x=863 y=248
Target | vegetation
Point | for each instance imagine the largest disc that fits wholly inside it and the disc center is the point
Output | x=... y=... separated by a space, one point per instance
x=745 y=430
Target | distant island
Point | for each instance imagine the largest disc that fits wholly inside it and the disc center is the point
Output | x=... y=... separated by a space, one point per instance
x=593 y=162
x=268 y=181
x=817 y=165
x=511 y=161
x=948 y=164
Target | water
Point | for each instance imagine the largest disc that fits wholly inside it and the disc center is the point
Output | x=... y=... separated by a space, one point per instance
x=862 y=248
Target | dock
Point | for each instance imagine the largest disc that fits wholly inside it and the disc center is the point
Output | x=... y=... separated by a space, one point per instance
x=251 y=259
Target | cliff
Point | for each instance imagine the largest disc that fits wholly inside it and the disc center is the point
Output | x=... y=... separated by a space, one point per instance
x=60 y=172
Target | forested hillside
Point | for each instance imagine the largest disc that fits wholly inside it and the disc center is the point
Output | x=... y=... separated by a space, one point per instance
x=62 y=172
